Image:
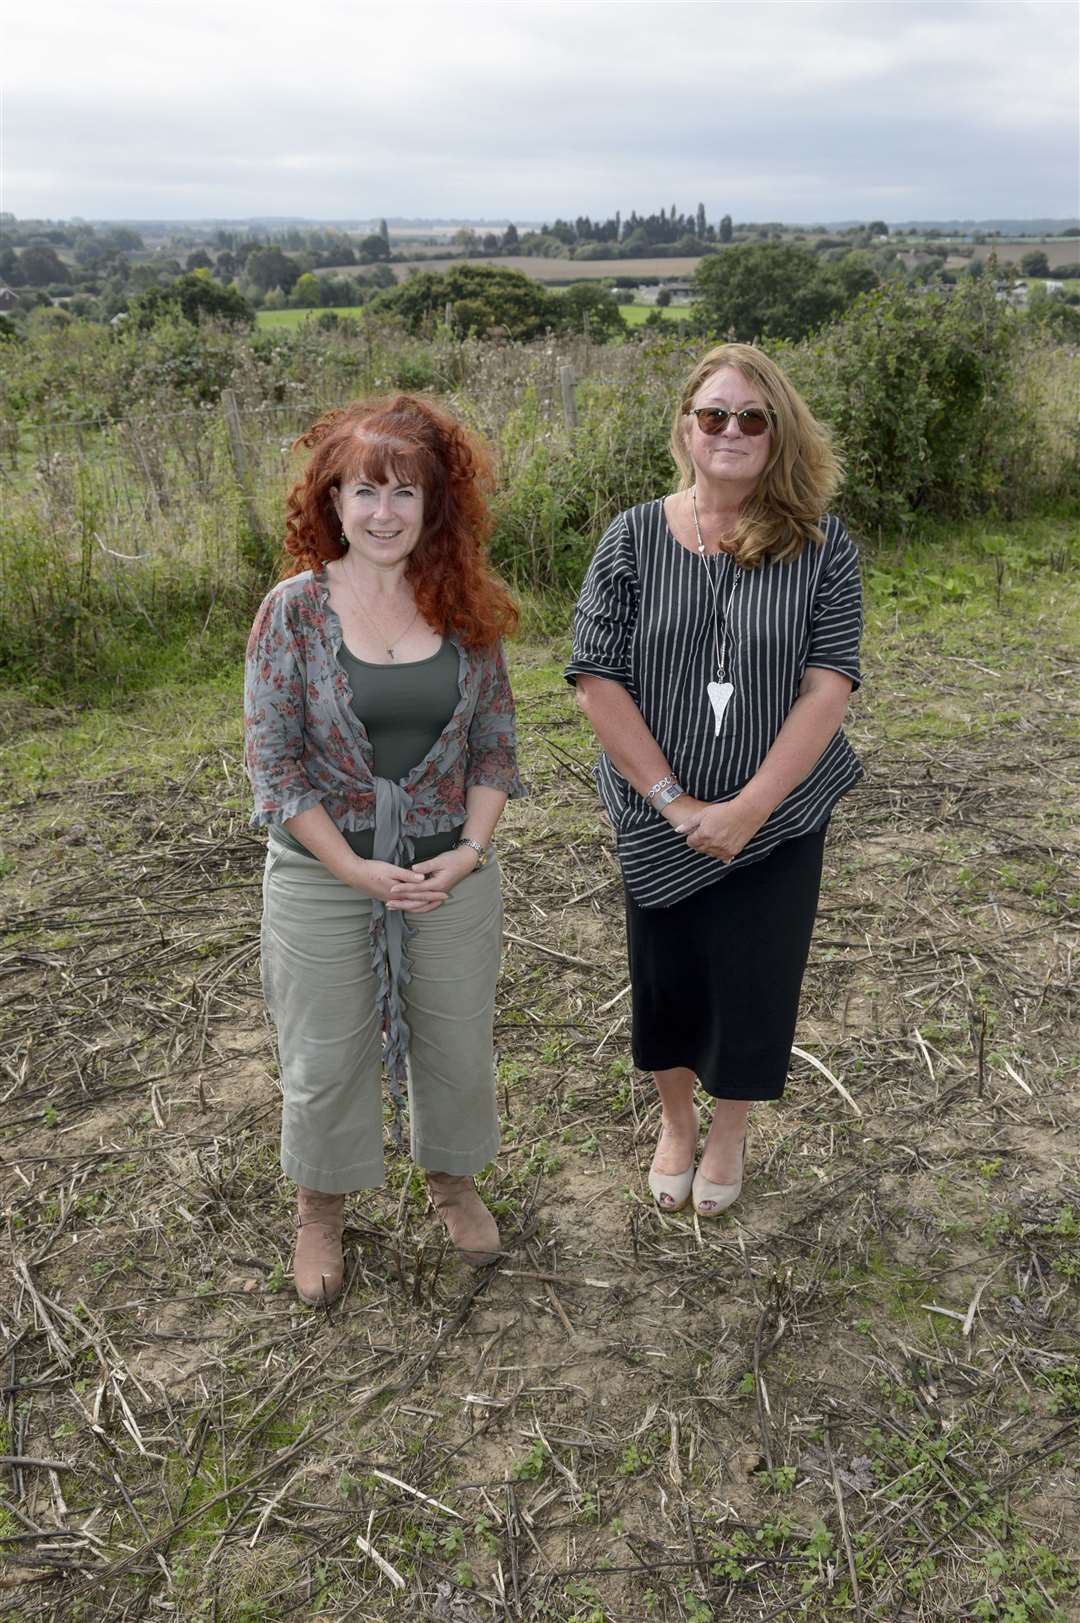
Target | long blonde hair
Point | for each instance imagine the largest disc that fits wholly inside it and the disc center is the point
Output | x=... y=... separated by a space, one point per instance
x=803 y=472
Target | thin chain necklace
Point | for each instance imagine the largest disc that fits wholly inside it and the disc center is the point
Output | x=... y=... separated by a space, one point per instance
x=720 y=691
x=389 y=646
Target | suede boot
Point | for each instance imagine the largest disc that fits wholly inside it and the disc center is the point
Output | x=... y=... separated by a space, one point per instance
x=318 y=1266
x=472 y=1229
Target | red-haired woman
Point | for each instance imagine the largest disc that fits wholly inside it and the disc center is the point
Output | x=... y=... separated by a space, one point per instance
x=380 y=746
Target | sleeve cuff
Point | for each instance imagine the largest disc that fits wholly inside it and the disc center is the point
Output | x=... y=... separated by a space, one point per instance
x=588 y=667
x=266 y=816
x=853 y=676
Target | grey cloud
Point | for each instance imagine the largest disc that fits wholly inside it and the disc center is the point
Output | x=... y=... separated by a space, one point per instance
x=797 y=111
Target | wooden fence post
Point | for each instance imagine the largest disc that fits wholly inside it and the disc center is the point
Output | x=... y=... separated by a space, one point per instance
x=567 y=380
x=238 y=455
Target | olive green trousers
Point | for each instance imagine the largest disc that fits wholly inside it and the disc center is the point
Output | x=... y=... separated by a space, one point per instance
x=321 y=991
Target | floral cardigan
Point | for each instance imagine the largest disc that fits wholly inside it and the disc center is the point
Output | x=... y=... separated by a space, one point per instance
x=304 y=746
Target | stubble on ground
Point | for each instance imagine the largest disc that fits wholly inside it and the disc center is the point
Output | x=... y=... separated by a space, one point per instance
x=856 y=1396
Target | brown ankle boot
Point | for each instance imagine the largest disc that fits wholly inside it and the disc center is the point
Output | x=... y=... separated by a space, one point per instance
x=318 y=1266
x=471 y=1227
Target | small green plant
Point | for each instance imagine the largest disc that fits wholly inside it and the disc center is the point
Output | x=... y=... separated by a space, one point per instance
x=633 y=1460
x=485 y=1537
x=452 y=1541
x=532 y=1465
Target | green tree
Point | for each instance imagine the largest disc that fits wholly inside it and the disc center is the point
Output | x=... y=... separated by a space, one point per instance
x=778 y=291
x=588 y=308
x=1033 y=264
x=480 y=296
x=41 y=265
x=854 y=274
x=195 y=297
x=269 y=267
x=374 y=247
x=725 y=228
x=307 y=294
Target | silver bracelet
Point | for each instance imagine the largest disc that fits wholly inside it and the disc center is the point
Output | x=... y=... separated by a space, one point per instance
x=674 y=791
x=474 y=845
x=661 y=783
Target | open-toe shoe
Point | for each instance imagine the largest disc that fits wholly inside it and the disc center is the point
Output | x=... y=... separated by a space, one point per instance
x=671 y=1190
x=710 y=1199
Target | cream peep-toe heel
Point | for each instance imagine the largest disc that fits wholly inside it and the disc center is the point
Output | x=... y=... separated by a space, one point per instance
x=671 y=1190
x=717 y=1197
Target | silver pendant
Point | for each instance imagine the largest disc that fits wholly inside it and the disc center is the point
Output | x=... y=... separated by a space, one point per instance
x=720 y=695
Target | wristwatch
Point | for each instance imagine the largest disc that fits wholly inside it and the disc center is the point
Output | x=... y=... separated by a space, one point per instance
x=474 y=845
x=664 y=797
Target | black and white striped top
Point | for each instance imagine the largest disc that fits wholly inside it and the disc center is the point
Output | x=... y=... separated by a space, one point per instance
x=645 y=618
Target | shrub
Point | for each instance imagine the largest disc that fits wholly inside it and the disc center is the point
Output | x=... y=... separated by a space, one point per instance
x=917 y=387
x=194 y=297
x=777 y=290
x=480 y=297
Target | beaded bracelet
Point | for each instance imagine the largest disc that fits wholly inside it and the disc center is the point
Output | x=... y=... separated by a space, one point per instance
x=661 y=783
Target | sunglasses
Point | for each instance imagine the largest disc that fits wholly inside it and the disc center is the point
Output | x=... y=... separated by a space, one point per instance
x=752 y=420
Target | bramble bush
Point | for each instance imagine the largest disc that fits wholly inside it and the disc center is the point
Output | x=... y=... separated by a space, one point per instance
x=939 y=402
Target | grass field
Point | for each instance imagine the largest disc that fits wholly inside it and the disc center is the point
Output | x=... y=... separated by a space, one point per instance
x=296 y=318
x=634 y=314
x=855 y=1397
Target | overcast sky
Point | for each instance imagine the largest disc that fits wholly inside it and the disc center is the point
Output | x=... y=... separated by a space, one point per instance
x=332 y=109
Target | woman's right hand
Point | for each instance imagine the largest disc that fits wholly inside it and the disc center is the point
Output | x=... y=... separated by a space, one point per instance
x=399 y=888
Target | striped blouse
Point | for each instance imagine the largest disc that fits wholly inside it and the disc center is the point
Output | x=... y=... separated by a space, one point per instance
x=646 y=618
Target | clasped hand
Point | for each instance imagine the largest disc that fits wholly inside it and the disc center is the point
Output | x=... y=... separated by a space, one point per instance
x=421 y=888
x=721 y=828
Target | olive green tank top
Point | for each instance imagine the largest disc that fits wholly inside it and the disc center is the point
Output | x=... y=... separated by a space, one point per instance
x=403 y=709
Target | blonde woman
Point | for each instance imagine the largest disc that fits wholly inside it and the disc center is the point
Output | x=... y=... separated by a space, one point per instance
x=716 y=644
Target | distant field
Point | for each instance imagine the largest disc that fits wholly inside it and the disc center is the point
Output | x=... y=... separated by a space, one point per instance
x=296 y=318
x=569 y=270
x=633 y=314
x=1060 y=252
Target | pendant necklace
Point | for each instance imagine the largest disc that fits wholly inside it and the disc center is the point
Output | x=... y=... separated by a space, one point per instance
x=720 y=690
x=378 y=635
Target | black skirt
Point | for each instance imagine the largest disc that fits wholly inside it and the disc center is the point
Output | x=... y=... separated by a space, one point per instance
x=715 y=979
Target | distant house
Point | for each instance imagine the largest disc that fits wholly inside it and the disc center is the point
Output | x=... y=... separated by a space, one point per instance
x=681 y=292
x=8 y=301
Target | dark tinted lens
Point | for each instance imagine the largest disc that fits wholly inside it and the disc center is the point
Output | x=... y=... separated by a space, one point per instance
x=712 y=419
x=752 y=421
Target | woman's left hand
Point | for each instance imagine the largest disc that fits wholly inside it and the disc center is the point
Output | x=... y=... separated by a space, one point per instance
x=445 y=871
x=721 y=830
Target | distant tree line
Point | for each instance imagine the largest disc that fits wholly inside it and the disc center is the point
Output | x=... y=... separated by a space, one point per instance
x=752 y=281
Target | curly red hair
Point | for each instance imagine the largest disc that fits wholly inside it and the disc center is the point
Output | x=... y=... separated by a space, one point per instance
x=407 y=439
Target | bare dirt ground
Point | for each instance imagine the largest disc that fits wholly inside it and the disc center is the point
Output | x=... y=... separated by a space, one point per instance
x=856 y=1396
